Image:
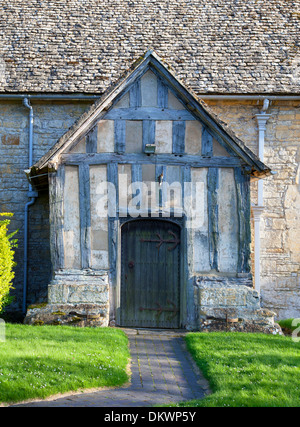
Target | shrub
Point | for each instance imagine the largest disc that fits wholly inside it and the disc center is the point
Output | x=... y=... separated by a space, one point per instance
x=7 y=245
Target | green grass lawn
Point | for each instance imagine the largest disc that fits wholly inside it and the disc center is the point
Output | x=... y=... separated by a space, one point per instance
x=247 y=369
x=39 y=361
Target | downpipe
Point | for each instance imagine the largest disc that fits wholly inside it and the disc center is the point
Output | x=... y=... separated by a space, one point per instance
x=258 y=209
x=32 y=195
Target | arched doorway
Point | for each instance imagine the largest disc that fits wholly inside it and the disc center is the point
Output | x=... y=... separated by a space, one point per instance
x=150 y=274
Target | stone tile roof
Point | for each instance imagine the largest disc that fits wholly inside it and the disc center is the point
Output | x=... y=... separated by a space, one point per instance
x=214 y=46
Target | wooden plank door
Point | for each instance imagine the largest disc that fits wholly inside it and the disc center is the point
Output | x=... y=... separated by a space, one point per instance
x=150 y=282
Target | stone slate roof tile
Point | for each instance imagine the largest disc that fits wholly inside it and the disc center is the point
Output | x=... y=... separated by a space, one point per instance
x=82 y=46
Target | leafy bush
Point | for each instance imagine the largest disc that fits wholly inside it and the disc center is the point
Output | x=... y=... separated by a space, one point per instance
x=7 y=244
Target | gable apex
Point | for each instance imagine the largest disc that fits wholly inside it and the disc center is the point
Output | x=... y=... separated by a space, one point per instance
x=192 y=109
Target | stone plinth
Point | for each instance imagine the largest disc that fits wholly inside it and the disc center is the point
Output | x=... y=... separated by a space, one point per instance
x=231 y=304
x=75 y=297
x=68 y=314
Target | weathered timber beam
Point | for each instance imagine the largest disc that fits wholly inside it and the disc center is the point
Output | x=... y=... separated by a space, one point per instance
x=168 y=159
x=242 y=182
x=85 y=215
x=213 y=217
x=147 y=113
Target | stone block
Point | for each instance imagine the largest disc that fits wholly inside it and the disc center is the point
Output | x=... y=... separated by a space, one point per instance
x=75 y=297
x=76 y=287
x=80 y=315
x=10 y=140
x=229 y=298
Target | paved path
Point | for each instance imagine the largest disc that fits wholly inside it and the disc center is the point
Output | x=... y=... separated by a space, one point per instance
x=162 y=372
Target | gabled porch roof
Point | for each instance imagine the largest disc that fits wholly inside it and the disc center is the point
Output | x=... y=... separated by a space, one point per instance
x=195 y=106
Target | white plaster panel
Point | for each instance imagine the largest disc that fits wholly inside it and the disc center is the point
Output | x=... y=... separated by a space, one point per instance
x=124 y=173
x=219 y=150
x=72 y=251
x=201 y=252
x=100 y=259
x=149 y=89
x=99 y=219
x=199 y=231
x=163 y=136
x=173 y=174
x=193 y=137
x=134 y=136
x=106 y=136
x=123 y=102
x=199 y=175
x=148 y=173
x=174 y=103
x=228 y=221
x=79 y=148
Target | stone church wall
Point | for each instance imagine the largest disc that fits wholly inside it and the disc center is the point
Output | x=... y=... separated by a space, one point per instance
x=280 y=225
x=51 y=120
x=280 y=257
